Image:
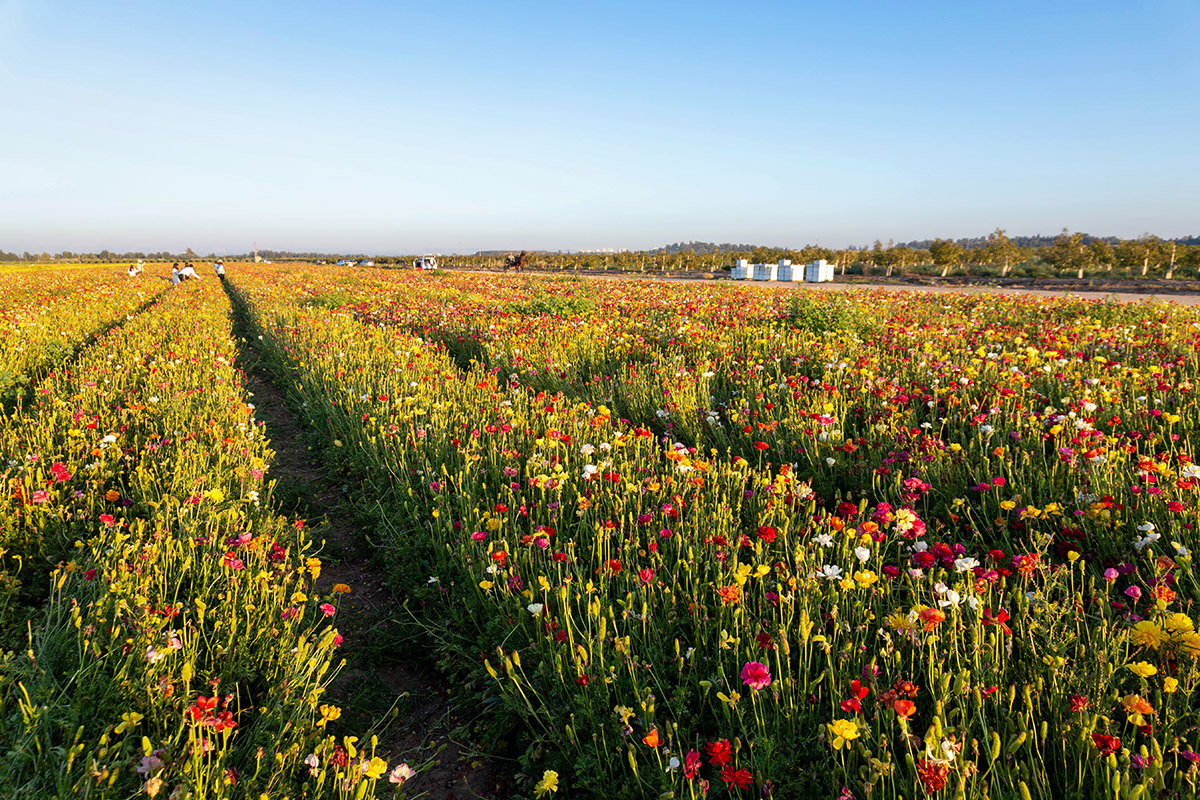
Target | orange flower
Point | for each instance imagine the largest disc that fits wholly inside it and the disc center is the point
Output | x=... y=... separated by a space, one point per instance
x=931 y=617
x=730 y=595
x=651 y=739
x=904 y=708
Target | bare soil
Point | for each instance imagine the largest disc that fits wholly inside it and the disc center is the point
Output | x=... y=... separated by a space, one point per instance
x=404 y=702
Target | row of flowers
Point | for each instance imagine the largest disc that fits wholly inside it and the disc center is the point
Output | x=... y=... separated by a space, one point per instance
x=173 y=643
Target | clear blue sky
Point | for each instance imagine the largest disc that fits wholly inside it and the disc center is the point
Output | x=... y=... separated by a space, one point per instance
x=394 y=127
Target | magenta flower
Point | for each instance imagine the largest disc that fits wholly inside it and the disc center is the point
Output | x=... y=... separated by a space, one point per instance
x=327 y=609
x=756 y=675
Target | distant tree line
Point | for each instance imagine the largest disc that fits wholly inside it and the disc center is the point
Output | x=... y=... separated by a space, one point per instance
x=1074 y=254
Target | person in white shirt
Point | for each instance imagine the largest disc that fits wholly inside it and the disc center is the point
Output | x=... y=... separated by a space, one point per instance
x=219 y=268
x=188 y=273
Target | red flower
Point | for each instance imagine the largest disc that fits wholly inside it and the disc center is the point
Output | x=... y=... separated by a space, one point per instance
x=741 y=778
x=932 y=774
x=232 y=561
x=761 y=445
x=1078 y=702
x=1107 y=745
x=718 y=752
x=691 y=765
x=766 y=533
x=1000 y=619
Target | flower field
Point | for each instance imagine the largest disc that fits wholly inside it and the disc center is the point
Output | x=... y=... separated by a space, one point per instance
x=175 y=648
x=675 y=540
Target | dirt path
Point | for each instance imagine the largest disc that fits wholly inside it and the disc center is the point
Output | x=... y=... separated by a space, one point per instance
x=1125 y=297
x=404 y=701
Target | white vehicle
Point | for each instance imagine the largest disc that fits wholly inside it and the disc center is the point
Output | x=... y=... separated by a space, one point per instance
x=345 y=262
x=425 y=262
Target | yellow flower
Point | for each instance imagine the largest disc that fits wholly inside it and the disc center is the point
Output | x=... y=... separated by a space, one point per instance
x=841 y=732
x=112 y=495
x=298 y=598
x=865 y=578
x=1170 y=685
x=1143 y=669
x=898 y=621
x=485 y=585
x=128 y=720
x=329 y=714
x=1007 y=505
x=548 y=784
x=376 y=767
x=313 y=565
x=1177 y=625
x=1146 y=634
x=1189 y=643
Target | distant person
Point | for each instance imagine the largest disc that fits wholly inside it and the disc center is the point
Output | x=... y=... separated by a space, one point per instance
x=510 y=261
x=134 y=271
x=188 y=273
x=219 y=268
x=521 y=261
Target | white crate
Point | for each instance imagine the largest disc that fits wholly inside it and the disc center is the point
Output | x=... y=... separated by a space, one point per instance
x=765 y=272
x=787 y=272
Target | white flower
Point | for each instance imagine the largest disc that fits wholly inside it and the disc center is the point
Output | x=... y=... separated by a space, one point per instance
x=830 y=461
x=830 y=573
x=152 y=655
x=314 y=763
x=432 y=579
x=951 y=598
x=824 y=539
x=673 y=764
x=1190 y=471
x=491 y=569
x=1146 y=527
x=535 y=608
x=986 y=430
x=862 y=553
x=589 y=470
x=1180 y=549
x=916 y=573
x=401 y=773
x=587 y=449
x=973 y=602
x=965 y=564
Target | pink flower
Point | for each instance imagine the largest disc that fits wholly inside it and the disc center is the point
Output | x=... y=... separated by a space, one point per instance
x=327 y=609
x=232 y=561
x=107 y=519
x=479 y=536
x=41 y=496
x=756 y=675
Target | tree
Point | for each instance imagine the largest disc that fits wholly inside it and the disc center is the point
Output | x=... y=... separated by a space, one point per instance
x=946 y=254
x=1069 y=252
x=1101 y=254
x=1000 y=250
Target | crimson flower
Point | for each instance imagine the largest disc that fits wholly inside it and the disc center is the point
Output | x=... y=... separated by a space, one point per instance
x=741 y=778
x=718 y=752
x=1000 y=619
x=1107 y=745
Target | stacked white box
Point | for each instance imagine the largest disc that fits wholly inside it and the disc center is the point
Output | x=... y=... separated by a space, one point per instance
x=765 y=272
x=789 y=273
x=819 y=271
x=741 y=270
